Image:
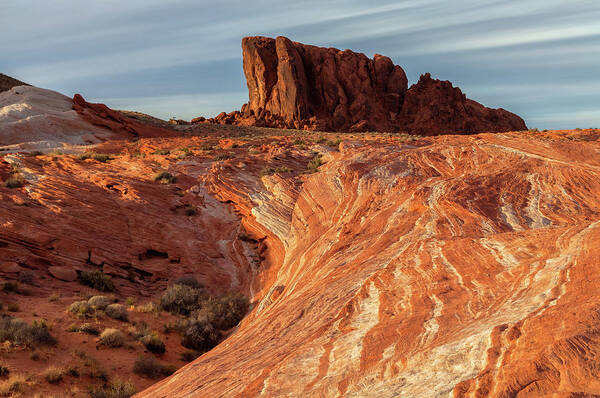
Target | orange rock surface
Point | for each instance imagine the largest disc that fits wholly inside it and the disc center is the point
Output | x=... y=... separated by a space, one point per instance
x=455 y=265
x=449 y=266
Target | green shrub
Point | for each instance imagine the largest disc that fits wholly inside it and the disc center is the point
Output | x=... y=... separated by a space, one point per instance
x=149 y=367
x=314 y=163
x=97 y=280
x=116 y=311
x=112 y=338
x=19 y=332
x=99 y=302
x=181 y=299
x=101 y=157
x=153 y=343
x=81 y=308
x=161 y=152
x=116 y=389
x=164 y=177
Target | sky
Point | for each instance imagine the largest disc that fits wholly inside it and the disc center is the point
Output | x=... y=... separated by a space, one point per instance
x=182 y=58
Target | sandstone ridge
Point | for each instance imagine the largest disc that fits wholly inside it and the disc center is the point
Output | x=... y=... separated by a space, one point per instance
x=294 y=85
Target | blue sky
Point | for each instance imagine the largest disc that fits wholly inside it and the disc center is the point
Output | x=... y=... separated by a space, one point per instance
x=182 y=58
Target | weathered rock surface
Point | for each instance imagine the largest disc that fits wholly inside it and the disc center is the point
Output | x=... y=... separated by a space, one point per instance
x=459 y=266
x=35 y=118
x=293 y=85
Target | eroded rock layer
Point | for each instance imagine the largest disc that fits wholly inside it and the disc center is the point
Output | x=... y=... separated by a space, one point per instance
x=453 y=266
x=293 y=85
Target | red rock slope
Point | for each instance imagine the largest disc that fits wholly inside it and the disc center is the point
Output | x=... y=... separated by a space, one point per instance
x=458 y=266
x=293 y=85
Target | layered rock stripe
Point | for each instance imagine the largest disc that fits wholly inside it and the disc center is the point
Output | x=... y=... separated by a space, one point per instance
x=460 y=266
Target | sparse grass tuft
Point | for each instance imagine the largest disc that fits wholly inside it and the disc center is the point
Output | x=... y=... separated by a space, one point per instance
x=14 y=386
x=53 y=375
x=116 y=389
x=314 y=163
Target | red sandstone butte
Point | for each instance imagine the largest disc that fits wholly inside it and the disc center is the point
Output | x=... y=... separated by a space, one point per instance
x=294 y=85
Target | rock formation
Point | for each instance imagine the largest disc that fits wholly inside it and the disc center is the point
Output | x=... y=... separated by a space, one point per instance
x=36 y=118
x=453 y=266
x=7 y=82
x=293 y=85
x=40 y=119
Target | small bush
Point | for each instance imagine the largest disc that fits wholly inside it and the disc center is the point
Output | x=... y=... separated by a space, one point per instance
x=4 y=371
x=112 y=338
x=149 y=308
x=267 y=171
x=314 y=163
x=164 y=177
x=81 y=308
x=189 y=355
x=19 y=332
x=224 y=156
x=116 y=389
x=54 y=297
x=12 y=307
x=163 y=152
x=181 y=299
x=88 y=328
x=200 y=335
x=53 y=375
x=116 y=311
x=190 y=210
x=35 y=153
x=149 y=367
x=14 y=182
x=99 y=302
x=130 y=301
x=10 y=287
x=188 y=280
x=101 y=157
x=153 y=343
x=97 y=280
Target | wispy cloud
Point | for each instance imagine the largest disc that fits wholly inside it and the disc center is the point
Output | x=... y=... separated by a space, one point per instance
x=140 y=49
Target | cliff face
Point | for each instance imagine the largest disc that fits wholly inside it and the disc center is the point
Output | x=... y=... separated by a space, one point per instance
x=462 y=266
x=293 y=85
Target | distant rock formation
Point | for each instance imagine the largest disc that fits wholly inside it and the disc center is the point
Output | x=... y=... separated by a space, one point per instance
x=293 y=85
x=7 y=82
